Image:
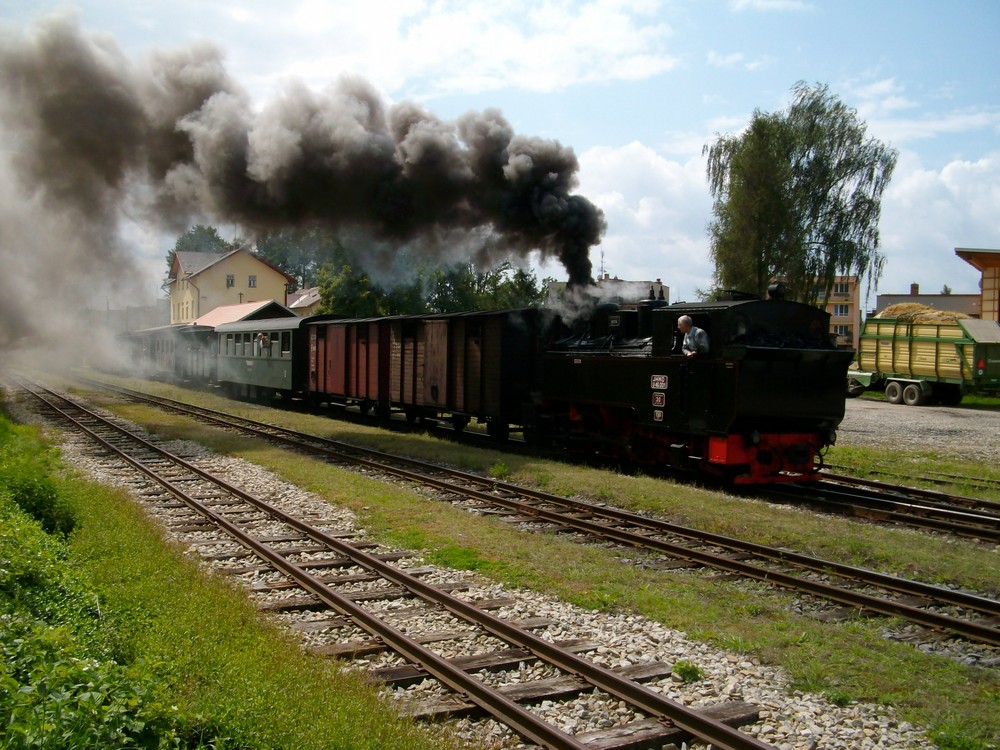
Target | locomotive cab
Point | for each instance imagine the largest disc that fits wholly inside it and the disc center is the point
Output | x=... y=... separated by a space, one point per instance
x=759 y=407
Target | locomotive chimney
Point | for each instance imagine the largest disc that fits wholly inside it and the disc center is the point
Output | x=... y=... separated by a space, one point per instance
x=914 y=290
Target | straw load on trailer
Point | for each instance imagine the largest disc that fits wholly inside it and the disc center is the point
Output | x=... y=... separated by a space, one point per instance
x=919 y=355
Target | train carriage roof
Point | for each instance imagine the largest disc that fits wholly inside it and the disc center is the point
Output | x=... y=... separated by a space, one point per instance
x=263 y=324
x=181 y=329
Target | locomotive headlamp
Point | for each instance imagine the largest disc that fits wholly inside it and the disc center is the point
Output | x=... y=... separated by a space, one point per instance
x=755 y=437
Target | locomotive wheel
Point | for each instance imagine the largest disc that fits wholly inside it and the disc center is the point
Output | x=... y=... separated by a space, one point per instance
x=894 y=393
x=913 y=395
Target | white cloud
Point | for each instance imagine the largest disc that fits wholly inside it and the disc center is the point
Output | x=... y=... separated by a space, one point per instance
x=926 y=214
x=769 y=5
x=656 y=211
x=717 y=60
x=478 y=47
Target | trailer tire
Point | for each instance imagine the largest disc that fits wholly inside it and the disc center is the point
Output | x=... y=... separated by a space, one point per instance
x=894 y=392
x=913 y=395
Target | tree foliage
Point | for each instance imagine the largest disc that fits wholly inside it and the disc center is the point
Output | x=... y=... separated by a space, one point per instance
x=797 y=196
x=317 y=257
x=353 y=294
x=345 y=290
x=464 y=288
x=301 y=252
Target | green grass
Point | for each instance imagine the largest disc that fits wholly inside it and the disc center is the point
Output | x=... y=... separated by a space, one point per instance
x=845 y=661
x=112 y=638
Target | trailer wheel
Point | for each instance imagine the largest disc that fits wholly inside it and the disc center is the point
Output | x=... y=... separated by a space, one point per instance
x=854 y=388
x=894 y=392
x=913 y=395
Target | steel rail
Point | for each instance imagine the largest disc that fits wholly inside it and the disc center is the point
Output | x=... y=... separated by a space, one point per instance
x=525 y=722
x=860 y=601
x=937 y=499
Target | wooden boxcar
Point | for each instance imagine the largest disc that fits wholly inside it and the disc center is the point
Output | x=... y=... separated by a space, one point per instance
x=348 y=362
x=454 y=367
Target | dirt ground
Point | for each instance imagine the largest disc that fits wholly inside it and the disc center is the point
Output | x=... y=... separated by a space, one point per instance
x=966 y=433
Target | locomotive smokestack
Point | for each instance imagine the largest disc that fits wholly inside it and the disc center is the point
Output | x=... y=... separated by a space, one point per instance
x=98 y=139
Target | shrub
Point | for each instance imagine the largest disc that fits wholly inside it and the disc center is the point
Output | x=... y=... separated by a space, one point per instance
x=25 y=474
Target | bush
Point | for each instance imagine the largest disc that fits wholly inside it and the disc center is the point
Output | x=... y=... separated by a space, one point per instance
x=58 y=686
x=25 y=474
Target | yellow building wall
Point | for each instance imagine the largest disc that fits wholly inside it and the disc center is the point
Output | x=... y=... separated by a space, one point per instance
x=991 y=294
x=852 y=320
x=202 y=293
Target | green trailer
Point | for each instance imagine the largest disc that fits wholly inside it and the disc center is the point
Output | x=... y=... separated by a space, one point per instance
x=918 y=361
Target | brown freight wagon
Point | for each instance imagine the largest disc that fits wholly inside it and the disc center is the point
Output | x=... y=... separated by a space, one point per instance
x=454 y=367
x=348 y=362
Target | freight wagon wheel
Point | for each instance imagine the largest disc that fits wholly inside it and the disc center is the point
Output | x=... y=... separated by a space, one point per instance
x=894 y=393
x=913 y=395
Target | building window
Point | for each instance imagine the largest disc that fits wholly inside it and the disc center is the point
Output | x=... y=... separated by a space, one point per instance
x=841 y=287
x=230 y=281
x=842 y=330
x=252 y=281
x=841 y=311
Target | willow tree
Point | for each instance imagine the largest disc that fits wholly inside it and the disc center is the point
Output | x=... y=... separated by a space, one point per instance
x=798 y=197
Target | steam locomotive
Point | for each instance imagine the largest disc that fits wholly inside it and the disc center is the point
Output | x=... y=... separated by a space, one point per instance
x=760 y=407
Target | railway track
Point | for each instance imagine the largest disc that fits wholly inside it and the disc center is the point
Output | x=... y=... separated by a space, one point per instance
x=930 y=477
x=343 y=583
x=897 y=504
x=941 y=609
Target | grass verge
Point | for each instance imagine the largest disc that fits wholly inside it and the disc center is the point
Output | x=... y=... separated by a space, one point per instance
x=112 y=638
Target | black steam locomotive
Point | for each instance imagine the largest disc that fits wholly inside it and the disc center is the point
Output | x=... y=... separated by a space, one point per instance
x=760 y=407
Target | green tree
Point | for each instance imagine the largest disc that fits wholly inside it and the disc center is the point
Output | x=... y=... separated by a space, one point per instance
x=301 y=252
x=464 y=288
x=352 y=294
x=798 y=196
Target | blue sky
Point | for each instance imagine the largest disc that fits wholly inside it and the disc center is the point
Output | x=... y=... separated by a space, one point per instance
x=636 y=88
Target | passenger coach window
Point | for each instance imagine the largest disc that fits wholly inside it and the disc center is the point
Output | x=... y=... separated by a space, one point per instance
x=286 y=344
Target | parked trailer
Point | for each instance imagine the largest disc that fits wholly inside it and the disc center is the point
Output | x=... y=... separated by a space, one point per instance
x=917 y=362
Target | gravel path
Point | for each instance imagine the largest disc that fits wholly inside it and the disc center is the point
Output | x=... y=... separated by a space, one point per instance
x=964 y=433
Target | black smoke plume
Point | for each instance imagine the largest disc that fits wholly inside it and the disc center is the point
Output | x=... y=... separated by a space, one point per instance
x=92 y=139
